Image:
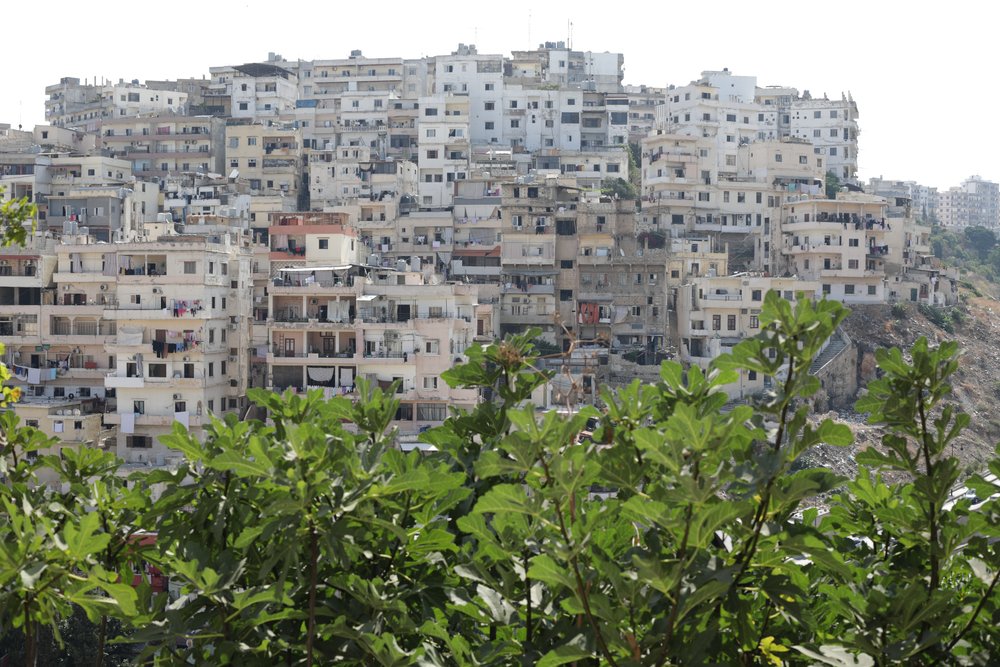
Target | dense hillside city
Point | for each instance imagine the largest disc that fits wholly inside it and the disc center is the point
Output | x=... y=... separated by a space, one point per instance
x=300 y=224
x=475 y=256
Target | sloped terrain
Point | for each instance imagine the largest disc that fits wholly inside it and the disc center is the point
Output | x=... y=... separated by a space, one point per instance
x=976 y=328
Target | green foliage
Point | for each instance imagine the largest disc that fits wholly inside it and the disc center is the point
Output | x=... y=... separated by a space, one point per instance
x=666 y=529
x=619 y=188
x=832 y=185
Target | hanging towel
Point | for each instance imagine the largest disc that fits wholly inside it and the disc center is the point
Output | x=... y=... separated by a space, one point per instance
x=128 y=422
x=183 y=418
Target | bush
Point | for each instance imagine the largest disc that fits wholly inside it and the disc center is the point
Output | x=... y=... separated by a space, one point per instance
x=672 y=531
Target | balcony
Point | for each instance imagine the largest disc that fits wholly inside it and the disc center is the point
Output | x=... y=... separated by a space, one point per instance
x=119 y=380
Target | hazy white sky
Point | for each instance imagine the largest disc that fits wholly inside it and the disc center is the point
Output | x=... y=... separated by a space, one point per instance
x=918 y=71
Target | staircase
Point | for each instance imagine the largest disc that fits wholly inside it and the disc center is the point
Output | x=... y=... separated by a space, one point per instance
x=834 y=347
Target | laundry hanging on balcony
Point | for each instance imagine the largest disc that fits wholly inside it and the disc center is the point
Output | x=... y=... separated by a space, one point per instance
x=320 y=375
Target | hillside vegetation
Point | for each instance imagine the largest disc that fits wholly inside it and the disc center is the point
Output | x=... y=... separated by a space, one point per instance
x=676 y=532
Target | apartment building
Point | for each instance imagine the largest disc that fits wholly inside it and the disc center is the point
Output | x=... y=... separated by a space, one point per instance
x=257 y=91
x=714 y=313
x=843 y=244
x=164 y=144
x=477 y=226
x=975 y=202
x=443 y=128
x=181 y=336
x=270 y=158
x=479 y=77
x=86 y=106
x=557 y=63
x=192 y=198
x=333 y=320
x=832 y=127
x=104 y=211
x=732 y=110
x=348 y=173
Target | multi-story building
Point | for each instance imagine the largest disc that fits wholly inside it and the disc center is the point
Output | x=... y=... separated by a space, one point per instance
x=181 y=335
x=714 y=313
x=103 y=211
x=341 y=175
x=71 y=104
x=334 y=320
x=975 y=202
x=733 y=111
x=480 y=78
x=443 y=128
x=270 y=158
x=165 y=144
x=841 y=243
x=258 y=91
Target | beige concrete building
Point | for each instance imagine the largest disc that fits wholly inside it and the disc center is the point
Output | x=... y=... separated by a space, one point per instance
x=270 y=158
x=162 y=144
x=715 y=313
x=86 y=106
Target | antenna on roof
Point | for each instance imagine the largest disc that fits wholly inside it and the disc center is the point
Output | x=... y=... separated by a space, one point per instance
x=569 y=37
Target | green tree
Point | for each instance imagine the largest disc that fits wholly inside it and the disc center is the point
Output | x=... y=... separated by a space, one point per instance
x=665 y=529
x=619 y=188
x=832 y=185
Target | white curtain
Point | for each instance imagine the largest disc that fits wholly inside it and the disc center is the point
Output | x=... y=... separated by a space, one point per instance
x=320 y=375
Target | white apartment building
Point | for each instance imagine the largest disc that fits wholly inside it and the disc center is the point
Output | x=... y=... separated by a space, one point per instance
x=443 y=128
x=340 y=175
x=975 y=202
x=481 y=78
x=832 y=127
x=71 y=104
x=733 y=110
x=257 y=91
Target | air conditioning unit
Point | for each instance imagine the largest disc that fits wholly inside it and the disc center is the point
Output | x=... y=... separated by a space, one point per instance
x=233 y=327
x=233 y=359
x=157 y=290
x=178 y=397
x=104 y=288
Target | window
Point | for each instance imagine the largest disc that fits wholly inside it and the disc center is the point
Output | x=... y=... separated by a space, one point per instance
x=431 y=412
x=852 y=263
x=431 y=346
x=157 y=370
x=251 y=141
x=211 y=364
x=430 y=111
x=703 y=196
x=565 y=264
x=826 y=288
x=731 y=322
x=515 y=123
x=853 y=243
x=730 y=118
x=755 y=295
x=139 y=407
x=324 y=244
x=777 y=157
x=430 y=382
x=848 y=289
x=817 y=134
x=716 y=322
x=243 y=106
x=636 y=311
x=834 y=132
x=489 y=86
x=816 y=114
x=138 y=441
x=489 y=106
x=565 y=295
x=871 y=290
x=754 y=322
x=489 y=125
x=180 y=406
x=430 y=133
